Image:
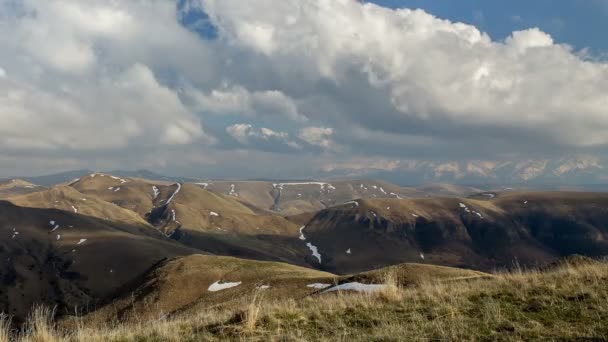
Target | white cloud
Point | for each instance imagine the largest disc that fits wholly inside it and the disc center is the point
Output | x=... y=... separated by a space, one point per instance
x=130 y=107
x=72 y=85
x=318 y=136
x=245 y=133
x=527 y=83
x=126 y=75
x=238 y=100
x=241 y=132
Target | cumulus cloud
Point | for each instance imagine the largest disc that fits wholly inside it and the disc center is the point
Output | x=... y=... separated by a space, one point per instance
x=343 y=76
x=318 y=136
x=247 y=134
x=440 y=77
x=73 y=87
x=238 y=100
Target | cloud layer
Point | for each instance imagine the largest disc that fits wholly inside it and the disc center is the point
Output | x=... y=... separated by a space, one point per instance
x=346 y=79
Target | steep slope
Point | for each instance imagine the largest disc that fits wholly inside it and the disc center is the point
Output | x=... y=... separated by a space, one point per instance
x=137 y=195
x=211 y=222
x=57 y=257
x=529 y=229
x=222 y=225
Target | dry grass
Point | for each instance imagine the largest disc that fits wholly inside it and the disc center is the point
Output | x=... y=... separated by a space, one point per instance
x=569 y=302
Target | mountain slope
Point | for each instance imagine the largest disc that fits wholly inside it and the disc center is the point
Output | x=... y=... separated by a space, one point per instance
x=66 y=259
x=69 y=199
x=211 y=222
x=525 y=228
x=296 y=197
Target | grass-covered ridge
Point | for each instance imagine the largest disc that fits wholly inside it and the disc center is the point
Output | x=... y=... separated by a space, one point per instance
x=567 y=302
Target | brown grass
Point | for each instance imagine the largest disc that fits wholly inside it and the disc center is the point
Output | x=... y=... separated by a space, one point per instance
x=569 y=302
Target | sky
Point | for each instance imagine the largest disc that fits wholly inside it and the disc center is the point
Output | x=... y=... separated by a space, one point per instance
x=295 y=88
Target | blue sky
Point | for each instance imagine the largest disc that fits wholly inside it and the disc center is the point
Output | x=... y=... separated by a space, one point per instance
x=580 y=23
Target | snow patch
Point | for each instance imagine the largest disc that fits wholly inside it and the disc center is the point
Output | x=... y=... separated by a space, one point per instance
x=179 y=187
x=318 y=286
x=213 y=213
x=352 y=202
x=219 y=287
x=122 y=181
x=155 y=191
x=204 y=185
x=315 y=251
x=75 y=210
x=357 y=287
x=263 y=287
x=348 y=251
x=323 y=185
x=302 y=237
x=233 y=191
x=81 y=241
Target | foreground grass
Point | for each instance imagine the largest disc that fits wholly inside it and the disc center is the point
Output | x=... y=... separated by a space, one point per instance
x=569 y=302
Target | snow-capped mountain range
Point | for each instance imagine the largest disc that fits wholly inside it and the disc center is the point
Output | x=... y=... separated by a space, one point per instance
x=577 y=170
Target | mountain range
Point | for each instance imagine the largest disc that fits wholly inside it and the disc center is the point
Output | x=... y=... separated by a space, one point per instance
x=118 y=246
x=570 y=172
x=585 y=171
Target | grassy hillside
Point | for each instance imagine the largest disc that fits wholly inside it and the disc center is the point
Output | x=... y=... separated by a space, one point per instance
x=69 y=199
x=566 y=302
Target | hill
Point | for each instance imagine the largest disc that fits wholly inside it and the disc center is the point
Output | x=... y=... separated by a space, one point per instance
x=211 y=222
x=57 y=257
x=15 y=187
x=69 y=199
x=563 y=303
x=296 y=197
x=187 y=285
x=191 y=283
x=508 y=229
